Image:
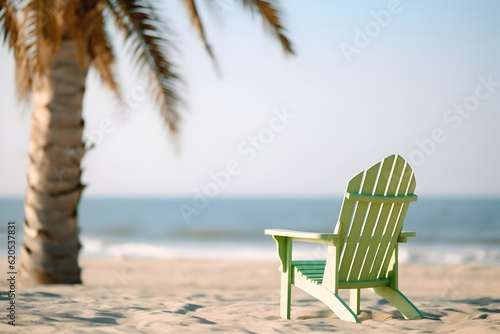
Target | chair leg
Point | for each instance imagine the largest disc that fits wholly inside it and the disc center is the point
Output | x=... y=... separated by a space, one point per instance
x=338 y=306
x=286 y=294
x=354 y=300
x=396 y=298
x=330 y=298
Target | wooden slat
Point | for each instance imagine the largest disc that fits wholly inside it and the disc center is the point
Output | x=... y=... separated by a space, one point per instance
x=395 y=178
x=311 y=275
x=406 y=187
x=312 y=271
x=383 y=250
x=366 y=239
x=310 y=268
x=348 y=208
x=378 y=215
x=363 y=284
x=308 y=263
x=385 y=241
x=357 y=223
x=307 y=267
x=381 y=199
x=346 y=259
x=372 y=249
x=300 y=234
x=364 y=242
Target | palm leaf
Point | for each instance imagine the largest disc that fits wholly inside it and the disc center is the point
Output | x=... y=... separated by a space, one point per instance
x=270 y=16
x=8 y=22
x=196 y=22
x=102 y=56
x=84 y=23
x=24 y=76
x=144 y=33
x=41 y=33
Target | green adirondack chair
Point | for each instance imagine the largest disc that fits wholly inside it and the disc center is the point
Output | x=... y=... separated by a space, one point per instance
x=362 y=251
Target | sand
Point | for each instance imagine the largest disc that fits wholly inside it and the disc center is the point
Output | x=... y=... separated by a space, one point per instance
x=204 y=296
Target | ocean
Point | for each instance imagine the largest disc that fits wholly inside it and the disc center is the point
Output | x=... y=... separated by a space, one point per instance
x=449 y=230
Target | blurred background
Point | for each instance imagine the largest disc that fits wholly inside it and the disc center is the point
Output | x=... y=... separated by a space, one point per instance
x=272 y=141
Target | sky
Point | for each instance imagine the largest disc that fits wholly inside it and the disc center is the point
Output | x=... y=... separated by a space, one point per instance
x=369 y=79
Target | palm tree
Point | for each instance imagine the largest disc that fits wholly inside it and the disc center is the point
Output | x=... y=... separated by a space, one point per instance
x=54 y=44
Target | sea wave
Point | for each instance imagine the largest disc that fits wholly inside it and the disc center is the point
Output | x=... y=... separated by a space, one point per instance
x=175 y=250
x=483 y=254
x=94 y=247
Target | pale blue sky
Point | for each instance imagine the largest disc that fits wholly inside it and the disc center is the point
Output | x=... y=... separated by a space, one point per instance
x=394 y=92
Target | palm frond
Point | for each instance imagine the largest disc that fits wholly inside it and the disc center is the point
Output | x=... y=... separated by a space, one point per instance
x=196 y=22
x=8 y=22
x=102 y=56
x=24 y=77
x=41 y=33
x=145 y=35
x=81 y=19
x=270 y=16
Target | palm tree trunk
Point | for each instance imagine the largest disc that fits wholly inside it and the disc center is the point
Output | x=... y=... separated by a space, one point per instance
x=51 y=245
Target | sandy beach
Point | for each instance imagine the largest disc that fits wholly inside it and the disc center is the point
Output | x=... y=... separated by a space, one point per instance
x=121 y=295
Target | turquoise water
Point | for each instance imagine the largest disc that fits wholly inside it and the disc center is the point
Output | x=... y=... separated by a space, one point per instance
x=450 y=230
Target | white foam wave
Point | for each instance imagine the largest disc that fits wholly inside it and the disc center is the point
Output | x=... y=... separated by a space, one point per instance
x=267 y=252
x=450 y=255
x=95 y=247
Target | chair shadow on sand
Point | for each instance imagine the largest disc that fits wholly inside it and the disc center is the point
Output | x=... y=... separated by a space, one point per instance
x=484 y=307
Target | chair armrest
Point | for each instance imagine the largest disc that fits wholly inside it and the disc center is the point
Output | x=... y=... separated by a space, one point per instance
x=284 y=239
x=323 y=238
x=403 y=236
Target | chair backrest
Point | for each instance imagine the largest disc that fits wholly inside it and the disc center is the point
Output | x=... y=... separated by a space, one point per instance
x=372 y=215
